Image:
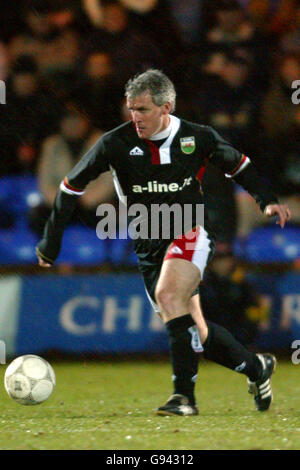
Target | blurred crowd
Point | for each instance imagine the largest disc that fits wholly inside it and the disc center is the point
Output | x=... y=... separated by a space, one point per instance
x=65 y=63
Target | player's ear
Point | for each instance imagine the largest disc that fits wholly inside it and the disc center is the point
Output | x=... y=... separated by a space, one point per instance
x=167 y=107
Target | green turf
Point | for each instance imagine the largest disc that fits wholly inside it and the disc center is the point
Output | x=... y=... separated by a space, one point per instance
x=110 y=405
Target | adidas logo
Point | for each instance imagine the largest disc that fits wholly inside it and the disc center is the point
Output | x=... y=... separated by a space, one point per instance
x=177 y=250
x=136 y=151
x=241 y=367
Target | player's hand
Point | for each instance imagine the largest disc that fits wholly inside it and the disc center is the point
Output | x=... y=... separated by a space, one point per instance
x=43 y=263
x=281 y=211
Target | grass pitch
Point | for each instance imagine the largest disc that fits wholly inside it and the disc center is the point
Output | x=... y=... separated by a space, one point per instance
x=110 y=406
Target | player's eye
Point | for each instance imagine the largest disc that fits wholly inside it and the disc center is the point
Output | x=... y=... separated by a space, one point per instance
x=140 y=110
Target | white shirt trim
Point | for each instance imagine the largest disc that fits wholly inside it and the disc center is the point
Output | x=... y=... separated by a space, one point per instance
x=241 y=168
x=164 y=149
x=66 y=190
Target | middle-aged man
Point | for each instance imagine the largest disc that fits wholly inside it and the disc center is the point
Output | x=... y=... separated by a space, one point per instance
x=158 y=158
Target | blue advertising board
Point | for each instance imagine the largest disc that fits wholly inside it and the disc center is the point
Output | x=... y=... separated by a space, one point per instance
x=111 y=314
x=289 y=292
x=101 y=314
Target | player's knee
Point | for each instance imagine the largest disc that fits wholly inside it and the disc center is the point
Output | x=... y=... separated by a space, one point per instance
x=167 y=299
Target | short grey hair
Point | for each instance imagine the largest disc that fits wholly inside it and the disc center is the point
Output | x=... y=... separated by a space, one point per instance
x=156 y=83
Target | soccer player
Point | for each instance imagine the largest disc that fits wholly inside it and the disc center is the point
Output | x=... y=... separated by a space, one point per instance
x=158 y=158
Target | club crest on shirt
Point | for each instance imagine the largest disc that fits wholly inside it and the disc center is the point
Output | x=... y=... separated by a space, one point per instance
x=188 y=144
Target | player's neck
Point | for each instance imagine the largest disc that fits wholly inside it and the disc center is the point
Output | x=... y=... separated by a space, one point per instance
x=164 y=132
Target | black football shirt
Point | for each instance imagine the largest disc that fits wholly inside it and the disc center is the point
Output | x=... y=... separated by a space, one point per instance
x=149 y=172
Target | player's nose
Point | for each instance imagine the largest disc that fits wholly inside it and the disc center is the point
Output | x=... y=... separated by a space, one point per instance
x=136 y=117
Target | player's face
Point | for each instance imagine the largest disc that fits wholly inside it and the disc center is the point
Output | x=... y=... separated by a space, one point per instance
x=148 y=118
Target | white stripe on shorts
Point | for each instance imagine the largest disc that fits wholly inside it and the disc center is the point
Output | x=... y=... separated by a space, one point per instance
x=202 y=251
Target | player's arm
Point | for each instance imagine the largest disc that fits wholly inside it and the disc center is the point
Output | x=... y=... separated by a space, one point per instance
x=238 y=166
x=92 y=164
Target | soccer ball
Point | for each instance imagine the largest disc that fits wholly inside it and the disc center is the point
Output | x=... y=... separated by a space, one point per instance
x=29 y=380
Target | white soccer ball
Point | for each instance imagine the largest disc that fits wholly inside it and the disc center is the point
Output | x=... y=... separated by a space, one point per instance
x=29 y=380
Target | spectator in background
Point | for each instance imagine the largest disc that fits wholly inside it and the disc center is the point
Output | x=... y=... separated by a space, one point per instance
x=150 y=18
x=142 y=7
x=11 y=19
x=226 y=99
x=201 y=74
x=287 y=164
x=61 y=150
x=93 y=11
x=290 y=42
x=49 y=38
x=98 y=91
x=4 y=62
x=228 y=300
x=280 y=119
x=188 y=19
x=60 y=53
x=36 y=26
x=231 y=25
x=272 y=17
x=131 y=50
x=58 y=155
x=232 y=32
x=154 y=18
x=28 y=116
x=278 y=112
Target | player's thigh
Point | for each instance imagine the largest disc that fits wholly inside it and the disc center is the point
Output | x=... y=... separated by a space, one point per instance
x=185 y=262
x=178 y=277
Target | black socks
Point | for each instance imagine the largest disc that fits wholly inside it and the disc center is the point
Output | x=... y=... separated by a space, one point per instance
x=222 y=348
x=184 y=358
